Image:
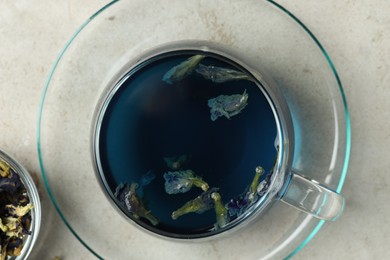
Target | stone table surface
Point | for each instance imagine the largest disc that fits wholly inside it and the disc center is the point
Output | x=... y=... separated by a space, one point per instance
x=355 y=33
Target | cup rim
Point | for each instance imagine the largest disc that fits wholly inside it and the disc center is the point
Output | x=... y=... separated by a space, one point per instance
x=278 y=178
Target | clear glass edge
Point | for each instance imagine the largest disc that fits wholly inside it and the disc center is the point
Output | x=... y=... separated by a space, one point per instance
x=347 y=121
x=45 y=180
x=304 y=27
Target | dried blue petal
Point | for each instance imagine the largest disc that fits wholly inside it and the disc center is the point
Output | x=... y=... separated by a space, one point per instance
x=136 y=207
x=131 y=195
x=15 y=216
x=198 y=205
x=182 y=70
x=237 y=206
x=227 y=106
x=182 y=181
x=262 y=188
x=252 y=193
x=221 y=212
x=11 y=183
x=121 y=190
x=19 y=211
x=175 y=184
x=264 y=185
x=250 y=196
x=131 y=201
x=26 y=223
x=5 y=170
x=14 y=246
x=220 y=75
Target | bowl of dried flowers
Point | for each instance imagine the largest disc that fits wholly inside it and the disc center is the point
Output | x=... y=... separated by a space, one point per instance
x=20 y=210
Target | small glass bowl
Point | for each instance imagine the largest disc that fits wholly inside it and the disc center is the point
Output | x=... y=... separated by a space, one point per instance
x=33 y=195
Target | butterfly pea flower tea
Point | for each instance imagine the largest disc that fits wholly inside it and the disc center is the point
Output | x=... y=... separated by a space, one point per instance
x=185 y=143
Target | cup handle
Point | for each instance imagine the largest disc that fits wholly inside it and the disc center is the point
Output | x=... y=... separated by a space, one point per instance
x=313 y=198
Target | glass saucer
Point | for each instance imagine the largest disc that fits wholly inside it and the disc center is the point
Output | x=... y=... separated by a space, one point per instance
x=120 y=31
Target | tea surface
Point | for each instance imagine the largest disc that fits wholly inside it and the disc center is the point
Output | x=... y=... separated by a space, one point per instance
x=178 y=121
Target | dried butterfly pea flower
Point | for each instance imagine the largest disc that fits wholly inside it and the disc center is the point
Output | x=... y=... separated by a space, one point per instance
x=198 y=205
x=14 y=246
x=15 y=217
x=252 y=194
x=10 y=183
x=221 y=211
x=227 y=105
x=3 y=227
x=19 y=211
x=4 y=169
x=136 y=207
x=132 y=197
x=238 y=205
x=221 y=75
x=182 y=181
x=182 y=70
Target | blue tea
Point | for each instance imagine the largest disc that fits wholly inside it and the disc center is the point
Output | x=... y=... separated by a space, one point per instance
x=186 y=143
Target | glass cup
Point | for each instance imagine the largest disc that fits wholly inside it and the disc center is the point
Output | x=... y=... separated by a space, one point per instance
x=284 y=184
x=263 y=32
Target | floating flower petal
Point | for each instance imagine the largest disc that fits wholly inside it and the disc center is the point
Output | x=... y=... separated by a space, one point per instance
x=198 y=205
x=227 y=106
x=182 y=181
x=220 y=75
